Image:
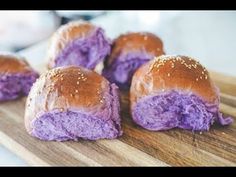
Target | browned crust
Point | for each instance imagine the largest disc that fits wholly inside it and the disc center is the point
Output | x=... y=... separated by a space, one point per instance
x=136 y=41
x=11 y=63
x=173 y=72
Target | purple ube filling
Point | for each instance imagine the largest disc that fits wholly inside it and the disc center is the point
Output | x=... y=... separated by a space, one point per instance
x=122 y=69
x=87 y=51
x=176 y=109
x=13 y=86
x=77 y=123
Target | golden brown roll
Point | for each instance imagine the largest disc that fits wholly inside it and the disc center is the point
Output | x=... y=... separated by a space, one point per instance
x=73 y=102
x=78 y=43
x=174 y=91
x=16 y=76
x=130 y=51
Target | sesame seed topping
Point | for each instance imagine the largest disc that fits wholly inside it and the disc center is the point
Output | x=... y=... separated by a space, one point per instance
x=145 y=38
x=206 y=77
x=62 y=79
x=200 y=77
x=77 y=82
x=61 y=109
x=76 y=91
x=71 y=95
x=168 y=74
x=196 y=79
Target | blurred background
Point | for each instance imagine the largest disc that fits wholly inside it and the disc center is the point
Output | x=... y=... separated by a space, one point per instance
x=207 y=35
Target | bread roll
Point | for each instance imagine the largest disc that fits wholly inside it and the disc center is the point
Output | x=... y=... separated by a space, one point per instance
x=130 y=51
x=16 y=76
x=174 y=91
x=68 y=103
x=78 y=43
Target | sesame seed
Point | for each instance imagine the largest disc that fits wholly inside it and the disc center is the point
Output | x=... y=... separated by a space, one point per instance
x=168 y=74
x=77 y=82
x=145 y=38
x=200 y=77
x=61 y=109
x=205 y=77
x=101 y=101
x=200 y=133
x=62 y=79
x=71 y=95
x=202 y=72
x=196 y=79
x=76 y=91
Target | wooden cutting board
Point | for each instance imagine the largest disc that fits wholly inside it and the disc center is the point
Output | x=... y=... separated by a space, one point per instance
x=137 y=147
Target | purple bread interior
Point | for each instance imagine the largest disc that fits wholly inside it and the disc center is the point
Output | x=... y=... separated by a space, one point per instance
x=87 y=51
x=122 y=69
x=73 y=124
x=172 y=109
x=13 y=86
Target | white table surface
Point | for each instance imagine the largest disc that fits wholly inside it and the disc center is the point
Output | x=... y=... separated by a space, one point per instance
x=208 y=36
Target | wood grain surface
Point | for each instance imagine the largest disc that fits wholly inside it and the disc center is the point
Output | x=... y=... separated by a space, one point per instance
x=137 y=147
